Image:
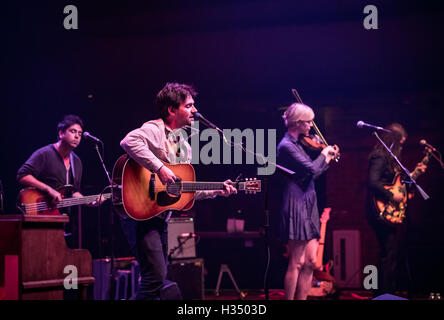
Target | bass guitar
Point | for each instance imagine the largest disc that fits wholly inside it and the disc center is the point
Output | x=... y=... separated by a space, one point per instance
x=394 y=213
x=34 y=202
x=323 y=282
x=142 y=195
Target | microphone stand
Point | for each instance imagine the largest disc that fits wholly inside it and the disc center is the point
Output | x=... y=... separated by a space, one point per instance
x=112 y=185
x=266 y=226
x=407 y=172
x=425 y=196
x=181 y=241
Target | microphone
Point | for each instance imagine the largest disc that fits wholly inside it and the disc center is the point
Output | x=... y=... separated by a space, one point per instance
x=87 y=135
x=361 y=124
x=199 y=117
x=424 y=143
x=187 y=235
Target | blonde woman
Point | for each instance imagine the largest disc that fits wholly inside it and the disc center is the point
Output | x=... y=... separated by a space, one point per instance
x=300 y=226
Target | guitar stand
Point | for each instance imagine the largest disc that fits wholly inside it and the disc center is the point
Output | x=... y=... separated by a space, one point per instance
x=225 y=268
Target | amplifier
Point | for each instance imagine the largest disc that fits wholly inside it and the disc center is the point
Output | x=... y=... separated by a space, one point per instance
x=347 y=258
x=181 y=247
x=189 y=276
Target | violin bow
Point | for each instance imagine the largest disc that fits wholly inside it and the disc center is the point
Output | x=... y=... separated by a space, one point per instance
x=315 y=127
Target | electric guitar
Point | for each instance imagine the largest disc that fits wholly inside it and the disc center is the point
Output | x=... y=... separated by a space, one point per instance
x=142 y=195
x=394 y=213
x=34 y=202
x=323 y=282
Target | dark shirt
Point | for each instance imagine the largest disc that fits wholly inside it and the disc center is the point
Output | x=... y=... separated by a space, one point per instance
x=380 y=174
x=46 y=165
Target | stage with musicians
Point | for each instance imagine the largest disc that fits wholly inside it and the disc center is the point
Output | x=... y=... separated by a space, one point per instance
x=222 y=150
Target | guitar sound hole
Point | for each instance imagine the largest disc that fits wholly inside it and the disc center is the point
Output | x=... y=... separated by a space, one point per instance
x=164 y=199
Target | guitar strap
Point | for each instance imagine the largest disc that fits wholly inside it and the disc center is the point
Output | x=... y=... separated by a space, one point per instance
x=71 y=161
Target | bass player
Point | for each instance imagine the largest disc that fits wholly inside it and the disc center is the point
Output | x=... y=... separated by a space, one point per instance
x=52 y=167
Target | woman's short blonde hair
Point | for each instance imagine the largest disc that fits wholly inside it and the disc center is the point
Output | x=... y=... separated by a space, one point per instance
x=296 y=112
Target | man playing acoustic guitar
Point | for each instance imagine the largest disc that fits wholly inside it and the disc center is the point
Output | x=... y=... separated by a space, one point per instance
x=157 y=142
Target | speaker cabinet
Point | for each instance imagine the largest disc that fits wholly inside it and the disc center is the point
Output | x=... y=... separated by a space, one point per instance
x=189 y=276
x=181 y=247
x=347 y=258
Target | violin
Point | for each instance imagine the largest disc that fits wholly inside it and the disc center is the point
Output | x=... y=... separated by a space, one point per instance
x=314 y=142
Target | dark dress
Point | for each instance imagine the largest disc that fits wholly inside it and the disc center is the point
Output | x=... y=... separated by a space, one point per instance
x=299 y=211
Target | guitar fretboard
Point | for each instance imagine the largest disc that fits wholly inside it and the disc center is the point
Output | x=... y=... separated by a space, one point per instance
x=82 y=200
x=197 y=186
x=416 y=173
x=68 y=202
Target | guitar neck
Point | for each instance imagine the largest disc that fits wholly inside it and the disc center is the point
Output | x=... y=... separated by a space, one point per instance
x=416 y=173
x=193 y=186
x=320 y=253
x=68 y=202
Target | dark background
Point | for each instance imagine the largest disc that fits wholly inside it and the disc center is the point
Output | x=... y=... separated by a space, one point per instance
x=243 y=57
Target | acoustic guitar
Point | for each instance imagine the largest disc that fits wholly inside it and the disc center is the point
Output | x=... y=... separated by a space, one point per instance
x=34 y=202
x=323 y=282
x=394 y=213
x=142 y=195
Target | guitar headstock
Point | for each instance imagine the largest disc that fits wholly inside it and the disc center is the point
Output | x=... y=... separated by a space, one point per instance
x=325 y=215
x=251 y=185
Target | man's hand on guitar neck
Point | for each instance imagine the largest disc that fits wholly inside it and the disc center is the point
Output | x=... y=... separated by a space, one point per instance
x=97 y=202
x=421 y=167
x=100 y=199
x=229 y=189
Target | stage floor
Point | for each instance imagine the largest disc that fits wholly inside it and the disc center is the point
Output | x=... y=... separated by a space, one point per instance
x=278 y=294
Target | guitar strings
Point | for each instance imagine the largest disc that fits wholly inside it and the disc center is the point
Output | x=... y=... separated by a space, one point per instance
x=44 y=206
x=39 y=206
